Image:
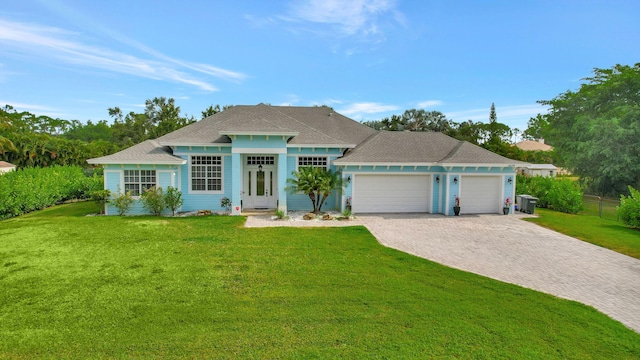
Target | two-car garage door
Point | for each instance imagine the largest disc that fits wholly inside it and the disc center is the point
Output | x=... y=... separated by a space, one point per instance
x=391 y=193
x=480 y=195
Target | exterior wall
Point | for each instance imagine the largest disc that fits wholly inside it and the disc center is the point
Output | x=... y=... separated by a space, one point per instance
x=459 y=172
x=193 y=201
x=444 y=191
x=166 y=175
x=301 y=201
x=352 y=171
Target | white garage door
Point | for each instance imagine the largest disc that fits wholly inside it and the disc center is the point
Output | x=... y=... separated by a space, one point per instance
x=480 y=195
x=391 y=193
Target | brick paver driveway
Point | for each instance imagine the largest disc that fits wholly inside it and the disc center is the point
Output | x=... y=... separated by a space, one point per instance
x=509 y=249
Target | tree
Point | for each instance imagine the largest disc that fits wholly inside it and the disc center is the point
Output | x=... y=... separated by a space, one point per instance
x=211 y=110
x=596 y=129
x=496 y=135
x=414 y=120
x=315 y=182
x=163 y=116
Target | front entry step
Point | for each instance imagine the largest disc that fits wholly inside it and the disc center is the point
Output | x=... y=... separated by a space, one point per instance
x=259 y=211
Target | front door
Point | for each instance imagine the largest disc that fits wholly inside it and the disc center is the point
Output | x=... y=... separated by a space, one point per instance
x=260 y=183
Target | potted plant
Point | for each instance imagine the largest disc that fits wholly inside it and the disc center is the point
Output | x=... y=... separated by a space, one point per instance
x=507 y=206
x=456 y=207
x=348 y=203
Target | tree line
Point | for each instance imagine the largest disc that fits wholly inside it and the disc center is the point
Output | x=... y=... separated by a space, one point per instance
x=30 y=140
x=595 y=131
x=492 y=135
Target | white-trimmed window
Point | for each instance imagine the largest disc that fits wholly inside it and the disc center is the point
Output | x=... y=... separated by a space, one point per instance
x=314 y=161
x=260 y=160
x=206 y=173
x=137 y=181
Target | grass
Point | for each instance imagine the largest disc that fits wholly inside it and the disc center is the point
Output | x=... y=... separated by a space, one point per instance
x=205 y=287
x=607 y=233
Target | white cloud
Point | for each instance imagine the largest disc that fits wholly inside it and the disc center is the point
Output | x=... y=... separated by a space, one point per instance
x=366 y=108
x=33 y=108
x=515 y=116
x=348 y=17
x=58 y=44
x=429 y=103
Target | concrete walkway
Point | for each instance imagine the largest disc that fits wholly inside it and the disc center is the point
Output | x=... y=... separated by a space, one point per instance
x=509 y=249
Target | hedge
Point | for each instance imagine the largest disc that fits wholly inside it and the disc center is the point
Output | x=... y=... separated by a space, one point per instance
x=30 y=189
x=561 y=194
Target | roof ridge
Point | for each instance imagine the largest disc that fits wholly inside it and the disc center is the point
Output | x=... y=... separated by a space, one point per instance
x=453 y=151
x=310 y=127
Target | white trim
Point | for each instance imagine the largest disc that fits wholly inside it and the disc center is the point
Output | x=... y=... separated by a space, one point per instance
x=261 y=151
x=328 y=166
x=202 y=154
x=331 y=146
x=137 y=162
x=259 y=133
x=212 y=192
x=211 y=144
x=478 y=165
x=383 y=163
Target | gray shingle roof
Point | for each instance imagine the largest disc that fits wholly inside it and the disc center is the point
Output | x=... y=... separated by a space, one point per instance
x=147 y=152
x=310 y=125
x=389 y=147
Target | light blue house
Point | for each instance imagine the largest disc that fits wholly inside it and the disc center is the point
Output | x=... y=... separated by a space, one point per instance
x=246 y=153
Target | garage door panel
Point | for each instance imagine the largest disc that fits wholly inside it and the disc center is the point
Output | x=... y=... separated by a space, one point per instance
x=391 y=193
x=480 y=195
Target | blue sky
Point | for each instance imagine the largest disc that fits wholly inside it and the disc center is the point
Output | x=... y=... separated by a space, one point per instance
x=368 y=59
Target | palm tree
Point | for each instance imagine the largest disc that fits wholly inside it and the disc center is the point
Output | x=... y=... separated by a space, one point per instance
x=315 y=182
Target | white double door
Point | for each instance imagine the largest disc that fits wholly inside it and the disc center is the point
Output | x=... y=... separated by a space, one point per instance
x=261 y=187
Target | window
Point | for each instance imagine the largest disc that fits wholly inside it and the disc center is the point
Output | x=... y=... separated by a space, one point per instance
x=206 y=173
x=137 y=181
x=315 y=161
x=260 y=160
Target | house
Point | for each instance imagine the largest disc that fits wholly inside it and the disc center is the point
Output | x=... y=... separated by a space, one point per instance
x=6 y=167
x=246 y=153
x=531 y=145
x=548 y=170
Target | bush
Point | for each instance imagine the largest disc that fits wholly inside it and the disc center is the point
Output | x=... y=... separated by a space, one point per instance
x=32 y=189
x=561 y=194
x=100 y=197
x=153 y=200
x=122 y=202
x=629 y=209
x=173 y=199
x=225 y=203
x=565 y=195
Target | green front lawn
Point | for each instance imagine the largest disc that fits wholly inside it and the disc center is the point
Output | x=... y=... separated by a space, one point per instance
x=610 y=234
x=205 y=287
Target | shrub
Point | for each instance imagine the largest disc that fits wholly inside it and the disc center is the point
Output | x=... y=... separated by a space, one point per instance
x=629 y=209
x=562 y=194
x=565 y=195
x=100 y=197
x=153 y=200
x=30 y=189
x=280 y=214
x=225 y=203
x=122 y=202
x=173 y=199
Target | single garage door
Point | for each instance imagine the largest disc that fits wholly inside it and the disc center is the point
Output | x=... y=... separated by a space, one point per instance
x=391 y=193
x=480 y=195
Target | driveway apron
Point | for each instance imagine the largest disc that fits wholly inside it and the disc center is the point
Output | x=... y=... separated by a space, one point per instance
x=509 y=249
